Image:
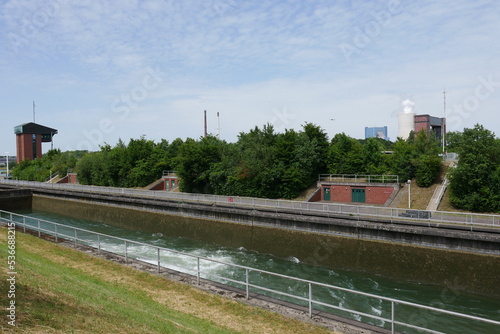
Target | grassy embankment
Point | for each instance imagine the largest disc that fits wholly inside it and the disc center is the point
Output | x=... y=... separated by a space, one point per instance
x=421 y=196
x=60 y=290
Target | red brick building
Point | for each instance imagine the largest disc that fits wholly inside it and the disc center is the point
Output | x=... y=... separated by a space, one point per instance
x=368 y=189
x=29 y=139
x=169 y=181
x=357 y=193
x=431 y=125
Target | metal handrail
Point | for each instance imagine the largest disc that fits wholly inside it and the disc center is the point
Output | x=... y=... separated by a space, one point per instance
x=467 y=219
x=359 y=178
x=22 y=220
x=169 y=173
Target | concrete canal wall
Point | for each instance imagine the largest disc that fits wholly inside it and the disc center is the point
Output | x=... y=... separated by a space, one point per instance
x=457 y=260
x=15 y=199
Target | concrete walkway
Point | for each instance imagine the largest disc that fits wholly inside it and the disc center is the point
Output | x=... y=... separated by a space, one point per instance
x=438 y=193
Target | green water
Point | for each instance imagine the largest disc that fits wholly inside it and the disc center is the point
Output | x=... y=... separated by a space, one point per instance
x=440 y=297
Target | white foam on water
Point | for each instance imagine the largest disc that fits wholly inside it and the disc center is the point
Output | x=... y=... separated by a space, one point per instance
x=376 y=311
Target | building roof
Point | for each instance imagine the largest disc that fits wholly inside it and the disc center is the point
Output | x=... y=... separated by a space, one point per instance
x=33 y=128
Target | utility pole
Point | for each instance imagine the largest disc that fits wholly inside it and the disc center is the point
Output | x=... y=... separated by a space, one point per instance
x=331 y=129
x=409 y=194
x=33 y=111
x=444 y=119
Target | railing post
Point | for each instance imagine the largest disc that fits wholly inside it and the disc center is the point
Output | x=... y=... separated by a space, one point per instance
x=310 y=301
x=75 y=236
x=247 y=283
x=55 y=230
x=198 y=270
x=392 y=317
x=158 y=253
x=99 y=244
x=24 y=223
x=38 y=227
x=126 y=255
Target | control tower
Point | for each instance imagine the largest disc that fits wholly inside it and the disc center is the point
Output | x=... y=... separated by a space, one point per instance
x=29 y=139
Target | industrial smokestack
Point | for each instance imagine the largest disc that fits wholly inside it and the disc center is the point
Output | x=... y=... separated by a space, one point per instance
x=218 y=125
x=205 y=132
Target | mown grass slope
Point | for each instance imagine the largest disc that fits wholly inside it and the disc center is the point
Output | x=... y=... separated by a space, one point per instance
x=61 y=290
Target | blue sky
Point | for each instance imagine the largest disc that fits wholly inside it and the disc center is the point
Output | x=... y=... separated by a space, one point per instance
x=103 y=70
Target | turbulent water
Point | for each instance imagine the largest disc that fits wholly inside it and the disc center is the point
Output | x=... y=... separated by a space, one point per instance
x=440 y=297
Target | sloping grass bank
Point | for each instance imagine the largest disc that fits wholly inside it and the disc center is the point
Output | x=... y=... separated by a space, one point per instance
x=61 y=290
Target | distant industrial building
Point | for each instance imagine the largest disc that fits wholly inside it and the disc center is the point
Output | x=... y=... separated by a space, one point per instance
x=29 y=139
x=409 y=121
x=376 y=132
x=435 y=126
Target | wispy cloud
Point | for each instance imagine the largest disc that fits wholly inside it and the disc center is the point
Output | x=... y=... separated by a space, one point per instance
x=245 y=59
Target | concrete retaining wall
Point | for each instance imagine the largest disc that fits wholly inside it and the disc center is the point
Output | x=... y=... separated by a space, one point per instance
x=15 y=199
x=399 y=252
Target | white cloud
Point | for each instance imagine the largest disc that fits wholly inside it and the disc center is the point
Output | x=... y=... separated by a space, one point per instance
x=247 y=60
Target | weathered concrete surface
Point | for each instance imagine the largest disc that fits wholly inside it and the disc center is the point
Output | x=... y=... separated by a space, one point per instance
x=15 y=199
x=331 y=242
x=451 y=237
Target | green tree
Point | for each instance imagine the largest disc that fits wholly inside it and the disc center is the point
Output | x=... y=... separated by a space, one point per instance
x=401 y=160
x=427 y=162
x=345 y=155
x=373 y=158
x=474 y=182
x=194 y=161
x=52 y=163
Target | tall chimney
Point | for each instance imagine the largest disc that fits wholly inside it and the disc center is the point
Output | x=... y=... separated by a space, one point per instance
x=205 y=132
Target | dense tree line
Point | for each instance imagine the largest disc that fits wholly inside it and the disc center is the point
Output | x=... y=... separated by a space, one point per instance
x=54 y=162
x=136 y=164
x=418 y=157
x=475 y=182
x=261 y=163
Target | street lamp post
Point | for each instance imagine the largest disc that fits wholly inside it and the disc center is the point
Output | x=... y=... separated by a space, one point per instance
x=331 y=130
x=7 y=161
x=409 y=194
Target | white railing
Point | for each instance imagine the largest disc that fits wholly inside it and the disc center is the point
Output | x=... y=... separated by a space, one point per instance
x=393 y=313
x=470 y=220
x=358 y=178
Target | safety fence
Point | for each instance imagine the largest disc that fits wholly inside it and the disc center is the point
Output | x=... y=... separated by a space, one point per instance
x=361 y=212
x=358 y=178
x=391 y=313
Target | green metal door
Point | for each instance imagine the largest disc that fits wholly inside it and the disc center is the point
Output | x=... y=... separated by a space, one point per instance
x=358 y=195
x=326 y=193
